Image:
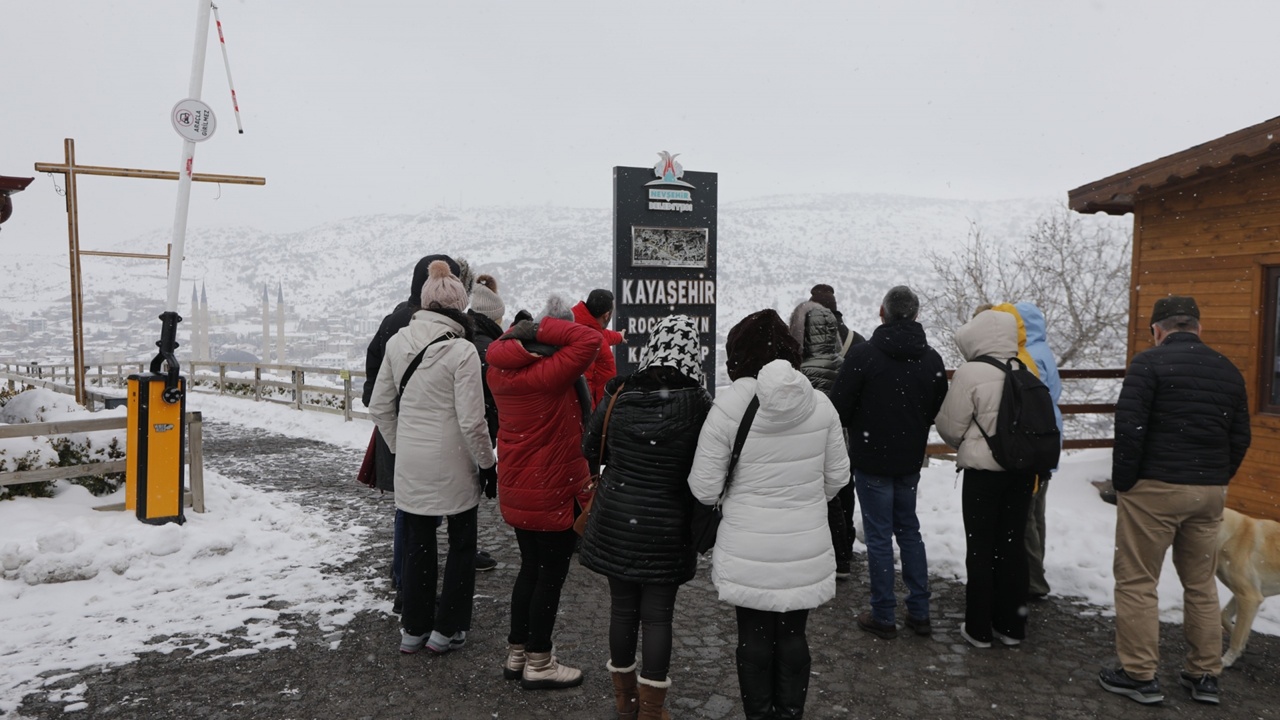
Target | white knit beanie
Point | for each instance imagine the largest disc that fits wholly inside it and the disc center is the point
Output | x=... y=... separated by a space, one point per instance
x=485 y=299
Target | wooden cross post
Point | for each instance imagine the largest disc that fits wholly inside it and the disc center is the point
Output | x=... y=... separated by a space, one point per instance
x=70 y=170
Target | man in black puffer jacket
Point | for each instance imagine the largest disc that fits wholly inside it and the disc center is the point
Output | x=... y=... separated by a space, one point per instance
x=888 y=392
x=1182 y=430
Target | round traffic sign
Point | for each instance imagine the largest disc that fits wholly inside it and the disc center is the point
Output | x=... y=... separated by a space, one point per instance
x=193 y=120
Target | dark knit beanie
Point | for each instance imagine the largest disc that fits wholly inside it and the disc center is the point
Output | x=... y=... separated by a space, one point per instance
x=759 y=339
x=824 y=295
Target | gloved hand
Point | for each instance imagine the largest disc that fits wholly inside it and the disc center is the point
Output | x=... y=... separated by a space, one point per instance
x=489 y=481
x=523 y=330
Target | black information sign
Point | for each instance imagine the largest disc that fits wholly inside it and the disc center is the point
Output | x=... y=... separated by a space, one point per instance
x=664 y=262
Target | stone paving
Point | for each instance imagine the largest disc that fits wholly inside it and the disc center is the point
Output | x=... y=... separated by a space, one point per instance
x=854 y=675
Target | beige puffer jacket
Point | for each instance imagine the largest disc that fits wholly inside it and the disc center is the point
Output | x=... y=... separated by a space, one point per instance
x=439 y=435
x=977 y=387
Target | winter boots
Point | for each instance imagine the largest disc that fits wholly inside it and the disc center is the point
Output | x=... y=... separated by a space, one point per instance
x=653 y=698
x=513 y=668
x=624 y=690
x=543 y=672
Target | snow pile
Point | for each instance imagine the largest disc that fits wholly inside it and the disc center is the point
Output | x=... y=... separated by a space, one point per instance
x=81 y=588
x=41 y=405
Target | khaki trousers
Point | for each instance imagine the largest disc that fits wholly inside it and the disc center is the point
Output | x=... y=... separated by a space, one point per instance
x=1149 y=518
x=1035 y=541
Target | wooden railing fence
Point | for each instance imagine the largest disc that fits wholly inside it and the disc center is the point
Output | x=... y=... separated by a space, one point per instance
x=337 y=390
x=194 y=497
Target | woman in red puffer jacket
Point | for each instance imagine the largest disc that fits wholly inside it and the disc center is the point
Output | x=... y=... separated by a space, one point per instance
x=533 y=370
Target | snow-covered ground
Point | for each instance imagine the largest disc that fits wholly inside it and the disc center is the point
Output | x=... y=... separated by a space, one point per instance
x=82 y=588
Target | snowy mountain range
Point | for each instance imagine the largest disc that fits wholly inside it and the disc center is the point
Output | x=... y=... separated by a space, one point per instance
x=771 y=251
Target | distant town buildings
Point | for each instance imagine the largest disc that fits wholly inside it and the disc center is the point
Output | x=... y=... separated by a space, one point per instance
x=124 y=331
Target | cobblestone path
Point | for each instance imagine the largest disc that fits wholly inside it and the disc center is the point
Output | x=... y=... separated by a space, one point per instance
x=855 y=675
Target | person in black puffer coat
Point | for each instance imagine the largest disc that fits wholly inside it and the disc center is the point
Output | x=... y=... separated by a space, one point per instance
x=638 y=531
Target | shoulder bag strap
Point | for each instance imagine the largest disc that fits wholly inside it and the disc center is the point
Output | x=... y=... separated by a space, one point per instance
x=745 y=427
x=994 y=362
x=604 y=430
x=414 y=363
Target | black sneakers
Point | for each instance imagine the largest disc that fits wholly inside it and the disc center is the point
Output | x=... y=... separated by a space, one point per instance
x=484 y=562
x=880 y=630
x=1204 y=688
x=1144 y=691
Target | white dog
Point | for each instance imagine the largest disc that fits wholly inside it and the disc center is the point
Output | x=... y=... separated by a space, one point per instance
x=1249 y=565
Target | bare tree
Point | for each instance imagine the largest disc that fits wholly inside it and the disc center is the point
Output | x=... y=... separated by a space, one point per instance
x=1076 y=272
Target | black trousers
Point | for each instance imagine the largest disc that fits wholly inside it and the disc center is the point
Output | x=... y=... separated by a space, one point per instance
x=995 y=521
x=635 y=605
x=841 y=540
x=847 y=502
x=421 y=567
x=535 y=598
x=773 y=663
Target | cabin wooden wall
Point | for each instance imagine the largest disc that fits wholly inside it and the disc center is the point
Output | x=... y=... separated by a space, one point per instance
x=1212 y=239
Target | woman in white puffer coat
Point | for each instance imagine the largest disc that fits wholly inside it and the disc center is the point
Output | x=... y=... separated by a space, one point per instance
x=773 y=558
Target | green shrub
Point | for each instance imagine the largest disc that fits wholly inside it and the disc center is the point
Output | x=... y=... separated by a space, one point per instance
x=27 y=461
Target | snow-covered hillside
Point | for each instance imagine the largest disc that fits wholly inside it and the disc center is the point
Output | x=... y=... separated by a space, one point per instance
x=771 y=251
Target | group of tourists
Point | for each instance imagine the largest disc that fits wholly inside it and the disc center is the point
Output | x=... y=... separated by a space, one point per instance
x=816 y=416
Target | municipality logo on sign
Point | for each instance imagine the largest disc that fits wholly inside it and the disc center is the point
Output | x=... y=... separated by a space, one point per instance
x=669 y=172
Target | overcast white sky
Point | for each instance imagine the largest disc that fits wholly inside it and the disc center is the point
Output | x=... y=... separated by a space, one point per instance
x=376 y=106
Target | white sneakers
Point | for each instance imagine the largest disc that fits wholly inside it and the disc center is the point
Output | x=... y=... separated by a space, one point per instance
x=441 y=644
x=981 y=645
x=436 y=643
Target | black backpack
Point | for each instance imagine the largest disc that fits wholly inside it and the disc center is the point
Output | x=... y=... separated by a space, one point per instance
x=1026 y=436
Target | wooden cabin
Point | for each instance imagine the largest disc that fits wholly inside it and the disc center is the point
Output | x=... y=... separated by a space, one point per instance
x=1206 y=223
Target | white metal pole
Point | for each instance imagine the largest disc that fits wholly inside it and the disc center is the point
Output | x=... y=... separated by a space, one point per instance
x=222 y=42
x=188 y=157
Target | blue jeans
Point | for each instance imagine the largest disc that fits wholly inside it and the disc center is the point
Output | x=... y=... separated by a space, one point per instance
x=889 y=511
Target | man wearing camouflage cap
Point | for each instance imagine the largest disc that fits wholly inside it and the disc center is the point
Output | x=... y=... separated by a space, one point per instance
x=1182 y=429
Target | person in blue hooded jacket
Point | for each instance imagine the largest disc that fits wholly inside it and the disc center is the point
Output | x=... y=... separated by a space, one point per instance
x=1047 y=368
